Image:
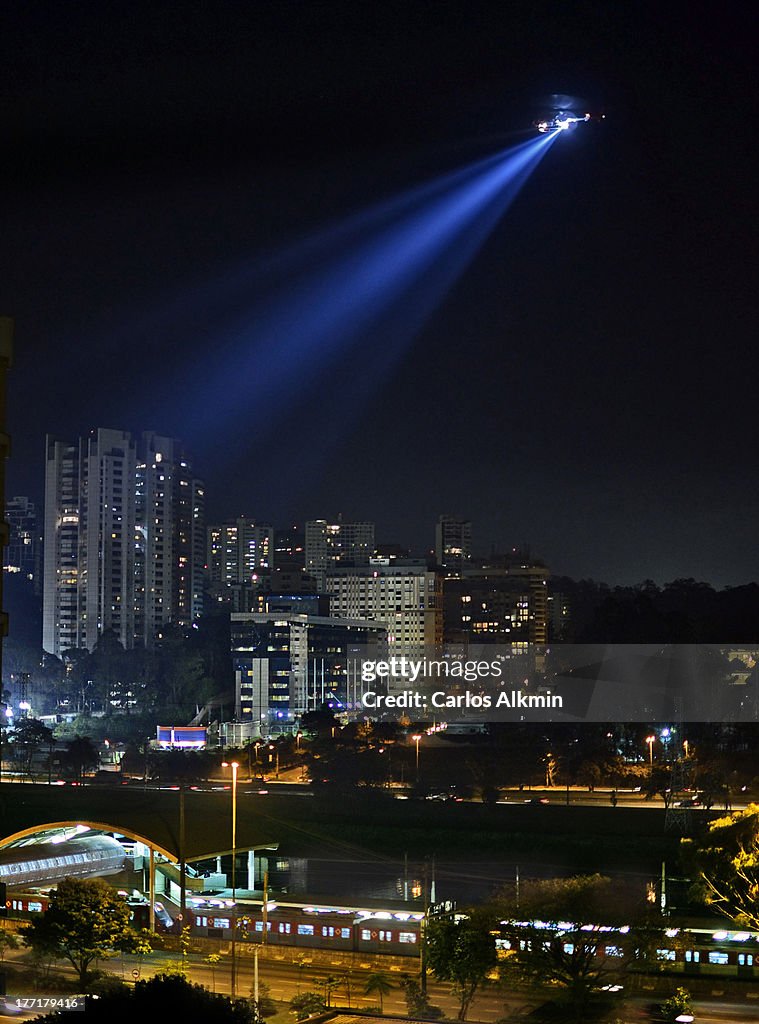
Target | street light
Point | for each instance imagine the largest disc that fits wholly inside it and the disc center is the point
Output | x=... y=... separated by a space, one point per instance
x=234 y=765
x=416 y=739
x=650 y=742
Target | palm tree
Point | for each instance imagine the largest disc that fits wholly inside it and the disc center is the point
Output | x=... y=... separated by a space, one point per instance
x=378 y=984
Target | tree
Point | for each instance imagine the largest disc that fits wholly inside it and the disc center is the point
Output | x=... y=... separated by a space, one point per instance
x=7 y=941
x=462 y=952
x=555 y=932
x=417 y=1002
x=307 y=1004
x=679 y=1003
x=658 y=782
x=85 y=922
x=164 y=997
x=264 y=1006
x=212 y=960
x=726 y=863
x=29 y=735
x=81 y=755
x=378 y=984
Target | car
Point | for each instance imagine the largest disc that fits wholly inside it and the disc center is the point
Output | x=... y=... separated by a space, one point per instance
x=537 y=800
x=690 y=801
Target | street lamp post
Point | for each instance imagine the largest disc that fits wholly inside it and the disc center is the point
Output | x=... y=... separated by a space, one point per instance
x=416 y=739
x=650 y=742
x=234 y=765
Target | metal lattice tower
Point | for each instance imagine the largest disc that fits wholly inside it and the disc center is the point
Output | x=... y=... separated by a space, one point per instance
x=678 y=819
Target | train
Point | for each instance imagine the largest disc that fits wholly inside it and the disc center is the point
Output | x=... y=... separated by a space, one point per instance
x=43 y=863
x=692 y=948
x=311 y=926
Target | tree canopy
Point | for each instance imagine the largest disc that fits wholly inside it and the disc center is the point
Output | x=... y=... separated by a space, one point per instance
x=726 y=862
x=463 y=952
x=164 y=997
x=85 y=922
x=577 y=933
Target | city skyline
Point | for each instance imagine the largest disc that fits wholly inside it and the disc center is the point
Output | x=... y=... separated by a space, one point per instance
x=558 y=394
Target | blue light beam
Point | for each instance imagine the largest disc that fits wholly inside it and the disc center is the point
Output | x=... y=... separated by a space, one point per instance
x=388 y=267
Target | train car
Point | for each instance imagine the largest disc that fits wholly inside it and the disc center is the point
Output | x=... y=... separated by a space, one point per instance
x=310 y=926
x=43 y=863
x=25 y=905
x=685 y=949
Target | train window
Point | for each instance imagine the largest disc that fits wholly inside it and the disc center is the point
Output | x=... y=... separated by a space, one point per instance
x=36 y=906
x=718 y=957
x=569 y=947
x=284 y=927
x=407 y=936
x=386 y=936
x=345 y=933
x=221 y=922
x=365 y=935
x=692 y=956
x=615 y=951
x=201 y=922
x=260 y=926
x=305 y=929
x=665 y=954
x=745 y=960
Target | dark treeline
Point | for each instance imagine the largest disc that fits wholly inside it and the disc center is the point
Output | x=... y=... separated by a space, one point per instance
x=683 y=611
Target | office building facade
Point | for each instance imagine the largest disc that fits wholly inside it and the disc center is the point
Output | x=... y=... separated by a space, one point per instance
x=288 y=662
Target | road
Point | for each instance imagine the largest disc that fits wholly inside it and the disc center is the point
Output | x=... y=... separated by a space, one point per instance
x=286 y=977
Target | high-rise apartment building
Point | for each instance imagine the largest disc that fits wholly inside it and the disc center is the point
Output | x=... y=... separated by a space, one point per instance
x=404 y=595
x=170 y=539
x=24 y=554
x=239 y=550
x=329 y=545
x=124 y=539
x=453 y=544
x=504 y=603
x=6 y=361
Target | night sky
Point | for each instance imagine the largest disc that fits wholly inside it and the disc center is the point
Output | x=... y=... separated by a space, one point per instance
x=588 y=386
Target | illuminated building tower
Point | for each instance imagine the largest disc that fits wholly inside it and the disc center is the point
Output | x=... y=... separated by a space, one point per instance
x=239 y=550
x=6 y=360
x=169 y=539
x=88 y=584
x=61 y=625
x=124 y=540
x=329 y=545
x=403 y=594
x=505 y=602
x=453 y=544
x=24 y=553
x=292 y=658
